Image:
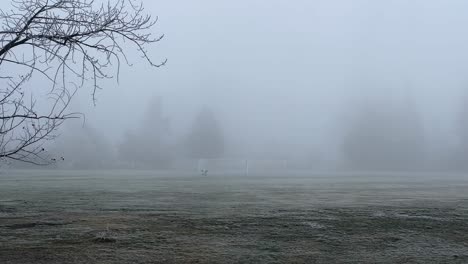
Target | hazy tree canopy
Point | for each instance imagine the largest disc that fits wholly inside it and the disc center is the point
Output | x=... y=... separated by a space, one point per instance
x=83 y=147
x=206 y=139
x=384 y=138
x=458 y=159
x=462 y=130
x=148 y=146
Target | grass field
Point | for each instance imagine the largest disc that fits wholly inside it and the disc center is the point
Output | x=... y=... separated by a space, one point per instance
x=156 y=217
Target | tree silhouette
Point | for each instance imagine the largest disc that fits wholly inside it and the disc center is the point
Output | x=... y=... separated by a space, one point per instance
x=380 y=138
x=148 y=145
x=68 y=43
x=206 y=137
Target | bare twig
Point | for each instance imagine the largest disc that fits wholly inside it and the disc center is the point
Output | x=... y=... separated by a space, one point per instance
x=68 y=42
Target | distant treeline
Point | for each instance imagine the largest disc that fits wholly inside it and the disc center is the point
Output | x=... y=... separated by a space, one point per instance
x=374 y=136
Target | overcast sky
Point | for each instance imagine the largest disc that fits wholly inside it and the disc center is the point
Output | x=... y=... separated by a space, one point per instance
x=288 y=71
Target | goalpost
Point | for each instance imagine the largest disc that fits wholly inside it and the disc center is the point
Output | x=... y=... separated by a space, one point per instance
x=240 y=166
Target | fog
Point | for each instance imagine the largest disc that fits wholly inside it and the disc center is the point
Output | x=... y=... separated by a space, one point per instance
x=347 y=85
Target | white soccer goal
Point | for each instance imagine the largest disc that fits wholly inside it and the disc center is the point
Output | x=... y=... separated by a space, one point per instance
x=240 y=166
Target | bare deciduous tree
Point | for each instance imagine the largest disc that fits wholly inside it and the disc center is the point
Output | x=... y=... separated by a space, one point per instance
x=69 y=43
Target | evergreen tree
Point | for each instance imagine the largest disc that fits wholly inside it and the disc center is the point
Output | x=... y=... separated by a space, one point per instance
x=206 y=138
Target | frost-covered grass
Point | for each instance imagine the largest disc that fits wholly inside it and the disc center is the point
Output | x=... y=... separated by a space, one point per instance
x=161 y=217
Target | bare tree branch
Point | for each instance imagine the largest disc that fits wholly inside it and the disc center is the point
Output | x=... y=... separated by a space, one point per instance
x=69 y=43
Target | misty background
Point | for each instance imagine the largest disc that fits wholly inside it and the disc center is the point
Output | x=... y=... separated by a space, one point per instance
x=346 y=85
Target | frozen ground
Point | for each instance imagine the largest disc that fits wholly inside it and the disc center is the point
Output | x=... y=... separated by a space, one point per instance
x=148 y=217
